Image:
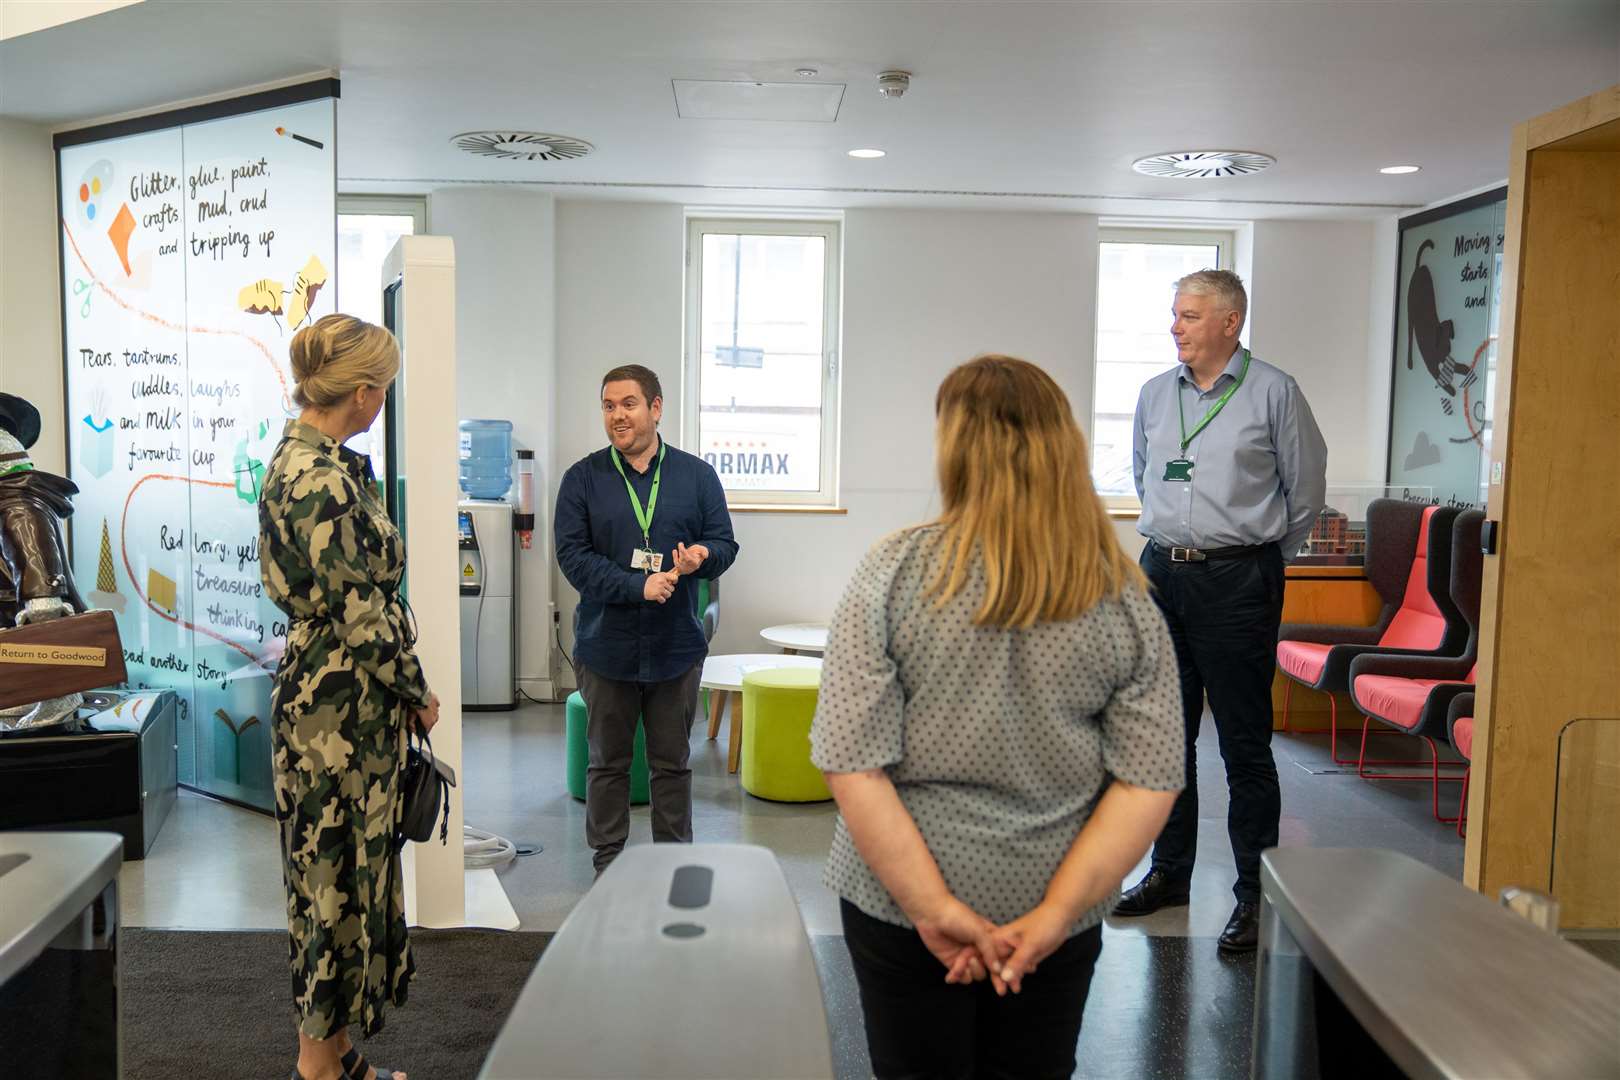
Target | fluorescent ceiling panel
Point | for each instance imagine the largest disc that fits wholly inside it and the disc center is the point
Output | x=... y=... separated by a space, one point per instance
x=703 y=99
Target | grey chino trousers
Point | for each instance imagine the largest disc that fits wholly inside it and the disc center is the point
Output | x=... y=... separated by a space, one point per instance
x=666 y=710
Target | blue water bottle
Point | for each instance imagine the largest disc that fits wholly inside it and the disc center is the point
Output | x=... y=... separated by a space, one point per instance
x=486 y=458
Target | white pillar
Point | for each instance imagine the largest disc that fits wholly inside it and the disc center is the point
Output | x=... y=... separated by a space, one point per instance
x=427 y=445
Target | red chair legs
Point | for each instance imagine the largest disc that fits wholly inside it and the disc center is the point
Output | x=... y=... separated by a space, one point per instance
x=1462 y=803
x=1332 y=730
x=1434 y=777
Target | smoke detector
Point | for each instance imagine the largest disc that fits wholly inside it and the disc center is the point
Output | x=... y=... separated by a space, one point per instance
x=522 y=145
x=893 y=84
x=1203 y=164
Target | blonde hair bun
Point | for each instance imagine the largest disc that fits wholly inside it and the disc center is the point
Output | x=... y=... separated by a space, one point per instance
x=336 y=355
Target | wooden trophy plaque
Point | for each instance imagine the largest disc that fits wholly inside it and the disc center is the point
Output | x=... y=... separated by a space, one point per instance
x=60 y=657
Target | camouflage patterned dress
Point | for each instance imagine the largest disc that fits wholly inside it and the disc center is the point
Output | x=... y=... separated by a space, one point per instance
x=332 y=560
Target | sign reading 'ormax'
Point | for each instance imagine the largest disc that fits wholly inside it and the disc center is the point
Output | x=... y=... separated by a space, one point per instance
x=763 y=450
x=741 y=463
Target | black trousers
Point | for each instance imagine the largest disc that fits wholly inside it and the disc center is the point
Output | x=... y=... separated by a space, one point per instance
x=1223 y=616
x=918 y=1027
x=666 y=710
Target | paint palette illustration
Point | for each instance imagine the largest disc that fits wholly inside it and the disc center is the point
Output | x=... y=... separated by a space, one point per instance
x=93 y=187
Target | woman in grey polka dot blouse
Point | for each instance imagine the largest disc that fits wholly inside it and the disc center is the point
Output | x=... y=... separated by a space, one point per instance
x=1000 y=724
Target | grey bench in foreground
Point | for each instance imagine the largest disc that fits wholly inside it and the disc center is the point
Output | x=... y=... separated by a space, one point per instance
x=684 y=960
x=1370 y=961
x=58 y=954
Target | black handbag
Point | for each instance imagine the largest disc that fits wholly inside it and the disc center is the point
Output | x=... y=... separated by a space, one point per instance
x=425 y=785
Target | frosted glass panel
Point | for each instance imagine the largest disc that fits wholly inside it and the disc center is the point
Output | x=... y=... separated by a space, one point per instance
x=190 y=257
x=1586 y=860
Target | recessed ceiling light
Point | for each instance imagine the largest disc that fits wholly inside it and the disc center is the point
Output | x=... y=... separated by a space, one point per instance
x=807 y=73
x=867 y=152
x=1399 y=170
x=1203 y=164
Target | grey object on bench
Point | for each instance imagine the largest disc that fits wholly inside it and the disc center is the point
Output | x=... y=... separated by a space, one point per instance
x=58 y=954
x=684 y=960
x=1371 y=961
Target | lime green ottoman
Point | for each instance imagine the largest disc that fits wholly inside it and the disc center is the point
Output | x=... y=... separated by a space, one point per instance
x=579 y=755
x=778 y=705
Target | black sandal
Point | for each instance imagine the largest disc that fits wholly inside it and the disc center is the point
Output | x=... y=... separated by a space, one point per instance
x=357 y=1066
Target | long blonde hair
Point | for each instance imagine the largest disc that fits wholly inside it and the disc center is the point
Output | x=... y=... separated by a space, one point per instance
x=336 y=355
x=1015 y=484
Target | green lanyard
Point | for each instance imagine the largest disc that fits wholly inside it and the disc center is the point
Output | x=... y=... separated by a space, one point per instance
x=643 y=517
x=1186 y=438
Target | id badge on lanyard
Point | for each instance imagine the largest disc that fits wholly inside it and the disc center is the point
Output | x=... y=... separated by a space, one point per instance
x=644 y=558
x=1179 y=470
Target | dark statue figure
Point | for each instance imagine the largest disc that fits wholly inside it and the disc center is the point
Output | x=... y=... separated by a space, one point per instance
x=35 y=582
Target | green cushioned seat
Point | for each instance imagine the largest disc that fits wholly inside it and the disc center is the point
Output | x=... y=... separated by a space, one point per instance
x=579 y=755
x=778 y=705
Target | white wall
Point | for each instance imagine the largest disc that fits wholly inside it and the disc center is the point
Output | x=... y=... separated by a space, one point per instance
x=619 y=301
x=1380 y=342
x=1312 y=292
x=30 y=293
x=505 y=340
x=923 y=291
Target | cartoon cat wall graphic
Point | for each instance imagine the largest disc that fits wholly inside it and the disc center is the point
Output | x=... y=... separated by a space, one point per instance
x=1424 y=325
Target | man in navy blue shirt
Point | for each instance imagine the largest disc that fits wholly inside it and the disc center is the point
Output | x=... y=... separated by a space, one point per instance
x=635 y=523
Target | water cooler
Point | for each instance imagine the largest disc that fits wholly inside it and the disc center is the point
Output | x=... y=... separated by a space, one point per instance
x=488 y=572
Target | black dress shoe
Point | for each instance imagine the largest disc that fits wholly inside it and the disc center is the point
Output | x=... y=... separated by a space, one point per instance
x=1150 y=894
x=1242 y=933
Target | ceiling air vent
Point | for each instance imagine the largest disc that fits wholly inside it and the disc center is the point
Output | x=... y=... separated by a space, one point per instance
x=522 y=145
x=1203 y=164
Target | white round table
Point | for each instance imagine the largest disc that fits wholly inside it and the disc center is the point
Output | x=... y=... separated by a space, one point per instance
x=804 y=637
x=723 y=676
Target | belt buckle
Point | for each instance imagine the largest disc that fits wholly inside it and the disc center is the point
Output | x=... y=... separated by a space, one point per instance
x=1186 y=555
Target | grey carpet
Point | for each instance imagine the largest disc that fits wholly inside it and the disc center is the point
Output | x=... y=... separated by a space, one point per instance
x=219 y=1004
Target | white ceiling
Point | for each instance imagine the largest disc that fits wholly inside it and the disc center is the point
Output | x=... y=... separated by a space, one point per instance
x=1012 y=104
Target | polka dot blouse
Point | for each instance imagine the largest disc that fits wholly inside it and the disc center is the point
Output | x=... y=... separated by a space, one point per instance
x=999 y=742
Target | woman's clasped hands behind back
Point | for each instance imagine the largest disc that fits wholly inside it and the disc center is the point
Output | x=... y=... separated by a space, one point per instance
x=972 y=948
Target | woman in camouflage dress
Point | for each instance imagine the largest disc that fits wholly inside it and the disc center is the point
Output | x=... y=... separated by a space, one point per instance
x=346 y=688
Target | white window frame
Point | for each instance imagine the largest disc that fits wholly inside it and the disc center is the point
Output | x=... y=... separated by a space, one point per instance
x=414 y=206
x=830 y=229
x=1225 y=241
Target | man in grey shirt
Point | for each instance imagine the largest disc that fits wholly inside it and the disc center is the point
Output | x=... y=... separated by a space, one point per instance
x=1231 y=470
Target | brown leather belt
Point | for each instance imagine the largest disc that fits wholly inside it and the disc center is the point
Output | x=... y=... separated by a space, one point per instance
x=1198 y=555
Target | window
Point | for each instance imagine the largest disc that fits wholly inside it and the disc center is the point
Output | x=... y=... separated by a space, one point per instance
x=1137 y=272
x=368 y=228
x=761 y=401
